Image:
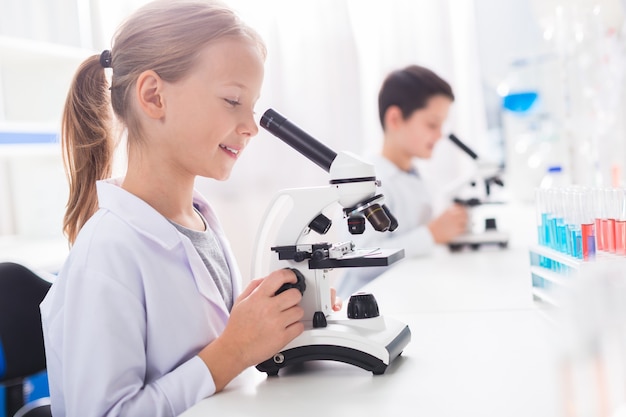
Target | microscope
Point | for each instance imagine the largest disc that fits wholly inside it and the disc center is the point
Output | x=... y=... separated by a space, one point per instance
x=286 y=240
x=482 y=228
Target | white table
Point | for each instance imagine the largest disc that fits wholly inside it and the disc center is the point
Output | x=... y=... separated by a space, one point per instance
x=491 y=279
x=458 y=364
x=479 y=348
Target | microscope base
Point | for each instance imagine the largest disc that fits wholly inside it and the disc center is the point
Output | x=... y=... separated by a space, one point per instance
x=371 y=344
x=476 y=240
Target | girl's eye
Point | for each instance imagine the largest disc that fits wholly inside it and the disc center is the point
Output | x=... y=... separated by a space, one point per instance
x=232 y=102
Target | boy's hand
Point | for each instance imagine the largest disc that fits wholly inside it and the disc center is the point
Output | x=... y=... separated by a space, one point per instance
x=335 y=301
x=450 y=224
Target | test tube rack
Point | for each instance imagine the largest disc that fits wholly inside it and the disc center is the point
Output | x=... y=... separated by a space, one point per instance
x=553 y=272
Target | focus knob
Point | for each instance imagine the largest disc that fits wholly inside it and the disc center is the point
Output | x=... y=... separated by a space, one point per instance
x=362 y=306
x=300 y=284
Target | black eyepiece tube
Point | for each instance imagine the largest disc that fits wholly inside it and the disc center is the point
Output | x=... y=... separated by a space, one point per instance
x=463 y=146
x=298 y=139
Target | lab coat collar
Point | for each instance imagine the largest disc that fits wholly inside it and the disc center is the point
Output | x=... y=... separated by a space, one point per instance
x=144 y=218
x=139 y=214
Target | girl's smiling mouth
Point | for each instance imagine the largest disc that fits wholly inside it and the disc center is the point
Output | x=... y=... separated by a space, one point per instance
x=233 y=151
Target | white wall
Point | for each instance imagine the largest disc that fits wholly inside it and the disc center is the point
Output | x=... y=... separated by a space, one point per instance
x=326 y=61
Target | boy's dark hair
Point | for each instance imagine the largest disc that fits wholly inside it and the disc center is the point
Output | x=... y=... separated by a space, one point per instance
x=409 y=89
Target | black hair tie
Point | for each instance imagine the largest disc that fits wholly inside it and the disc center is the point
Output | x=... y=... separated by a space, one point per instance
x=105 y=59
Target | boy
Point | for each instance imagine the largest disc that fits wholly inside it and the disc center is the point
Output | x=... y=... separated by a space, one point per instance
x=413 y=104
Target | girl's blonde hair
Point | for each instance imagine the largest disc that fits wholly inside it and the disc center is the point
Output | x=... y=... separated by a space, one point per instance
x=163 y=36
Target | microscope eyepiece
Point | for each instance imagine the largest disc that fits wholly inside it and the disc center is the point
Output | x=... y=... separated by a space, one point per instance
x=462 y=145
x=272 y=120
x=298 y=139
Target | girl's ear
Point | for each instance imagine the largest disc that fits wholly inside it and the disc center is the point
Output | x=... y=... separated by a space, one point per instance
x=393 y=117
x=149 y=90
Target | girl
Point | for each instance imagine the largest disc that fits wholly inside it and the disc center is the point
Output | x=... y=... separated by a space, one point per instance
x=146 y=317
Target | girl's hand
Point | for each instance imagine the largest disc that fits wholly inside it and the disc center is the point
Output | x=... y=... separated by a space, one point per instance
x=260 y=324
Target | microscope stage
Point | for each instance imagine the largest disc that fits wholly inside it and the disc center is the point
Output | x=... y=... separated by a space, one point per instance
x=360 y=257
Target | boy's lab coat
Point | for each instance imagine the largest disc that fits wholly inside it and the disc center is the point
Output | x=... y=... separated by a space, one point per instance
x=130 y=310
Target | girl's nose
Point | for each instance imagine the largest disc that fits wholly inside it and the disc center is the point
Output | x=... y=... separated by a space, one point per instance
x=249 y=126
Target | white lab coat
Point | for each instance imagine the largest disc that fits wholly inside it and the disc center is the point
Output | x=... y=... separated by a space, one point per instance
x=409 y=201
x=128 y=313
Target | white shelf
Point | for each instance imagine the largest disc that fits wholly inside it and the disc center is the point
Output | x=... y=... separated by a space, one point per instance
x=29 y=148
x=23 y=51
x=575 y=263
x=553 y=277
x=557 y=256
x=559 y=284
x=34 y=80
x=30 y=127
x=15 y=153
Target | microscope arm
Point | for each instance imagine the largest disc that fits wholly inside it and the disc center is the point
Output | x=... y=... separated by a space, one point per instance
x=482 y=172
x=286 y=222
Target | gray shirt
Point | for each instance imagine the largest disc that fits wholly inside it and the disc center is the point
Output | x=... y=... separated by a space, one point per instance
x=212 y=255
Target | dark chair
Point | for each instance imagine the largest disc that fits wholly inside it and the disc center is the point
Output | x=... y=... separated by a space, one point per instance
x=37 y=408
x=21 y=337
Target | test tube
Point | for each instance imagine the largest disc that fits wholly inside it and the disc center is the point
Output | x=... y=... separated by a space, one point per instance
x=561 y=228
x=543 y=224
x=611 y=204
x=599 y=215
x=541 y=216
x=620 y=223
x=587 y=226
x=574 y=223
x=550 y=218
x=566 y=213
x=552 y=231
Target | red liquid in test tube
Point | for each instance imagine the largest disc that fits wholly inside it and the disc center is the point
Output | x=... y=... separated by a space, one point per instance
x=609 y=235
x=620 y=224
x=620 y=237
x=599 y=235
x=612 y=201
x=588 y=241
x=588 y=230
x=601 y=218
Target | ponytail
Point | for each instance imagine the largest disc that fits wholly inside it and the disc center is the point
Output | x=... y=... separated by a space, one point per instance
x=87 y=143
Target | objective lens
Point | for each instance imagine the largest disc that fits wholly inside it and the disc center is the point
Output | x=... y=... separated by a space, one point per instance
x=377 y=217
x=393 y=222
x=356 y=225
